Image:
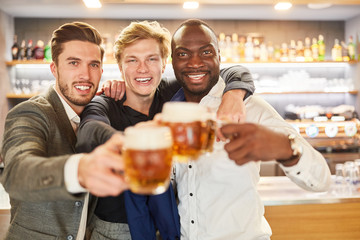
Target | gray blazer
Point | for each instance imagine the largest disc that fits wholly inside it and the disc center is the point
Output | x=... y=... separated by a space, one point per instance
x=38 y=139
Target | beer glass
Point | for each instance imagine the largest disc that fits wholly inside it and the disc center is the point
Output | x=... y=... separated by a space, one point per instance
x=192 y=129
x=147 y=154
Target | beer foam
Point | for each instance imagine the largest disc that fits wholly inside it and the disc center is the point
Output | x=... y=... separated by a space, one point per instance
x=183 y=112
x=147 y=138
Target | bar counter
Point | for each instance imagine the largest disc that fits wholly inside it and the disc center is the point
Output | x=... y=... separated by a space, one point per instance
x=296 y=214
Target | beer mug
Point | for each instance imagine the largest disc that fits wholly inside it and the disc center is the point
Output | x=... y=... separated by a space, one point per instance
x=209 y=128
x=192 y=129
x=147 y=154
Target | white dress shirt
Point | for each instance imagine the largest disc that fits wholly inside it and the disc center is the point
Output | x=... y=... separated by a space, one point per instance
x=71 y=170
x=219 y=199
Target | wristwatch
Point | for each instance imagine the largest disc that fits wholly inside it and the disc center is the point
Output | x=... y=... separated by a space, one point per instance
x=296 y=148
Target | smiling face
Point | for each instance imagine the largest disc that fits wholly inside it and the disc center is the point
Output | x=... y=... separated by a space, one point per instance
x=78 y=72
x=141 y=67
x=195 y=60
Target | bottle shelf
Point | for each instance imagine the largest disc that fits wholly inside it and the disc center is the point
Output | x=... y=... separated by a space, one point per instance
x=19 y=96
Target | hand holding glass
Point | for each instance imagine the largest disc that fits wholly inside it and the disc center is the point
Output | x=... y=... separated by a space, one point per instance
x=192 y=129
x=147 y=155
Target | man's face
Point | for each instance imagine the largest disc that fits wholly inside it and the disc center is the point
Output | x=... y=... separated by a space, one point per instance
x=196 y=60
x=141 y=67
x=78 y=73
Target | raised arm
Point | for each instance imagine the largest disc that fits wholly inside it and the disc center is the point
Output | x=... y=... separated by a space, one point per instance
x=94 y=128
x=239 y=85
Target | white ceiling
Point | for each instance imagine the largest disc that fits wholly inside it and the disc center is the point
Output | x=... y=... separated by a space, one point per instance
x=76 y=9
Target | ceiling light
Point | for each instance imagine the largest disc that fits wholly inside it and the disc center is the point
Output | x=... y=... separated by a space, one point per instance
x=191 y=5
x=283 y=6
x=92 y=3
x=319 y=5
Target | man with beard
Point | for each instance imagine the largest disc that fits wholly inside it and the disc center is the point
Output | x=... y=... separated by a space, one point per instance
x=217 y=193
x=46 y=181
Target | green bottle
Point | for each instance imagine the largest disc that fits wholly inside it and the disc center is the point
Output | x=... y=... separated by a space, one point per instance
x=321 y=45
x=351 y=48
x=47 y=53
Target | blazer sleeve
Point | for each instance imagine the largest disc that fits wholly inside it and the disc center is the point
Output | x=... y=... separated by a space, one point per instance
x=238 y=77
x=94 y=128
x=34 y=151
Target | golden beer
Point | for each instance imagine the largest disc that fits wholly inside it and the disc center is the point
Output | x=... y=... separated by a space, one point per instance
x=190 y=129
x=209 y=129
x=147 y=156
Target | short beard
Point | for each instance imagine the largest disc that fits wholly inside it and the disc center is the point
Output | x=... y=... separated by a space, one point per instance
x=64 y=89
x=200 y=93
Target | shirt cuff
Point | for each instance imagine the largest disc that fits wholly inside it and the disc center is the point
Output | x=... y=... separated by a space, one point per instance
x=71 y=174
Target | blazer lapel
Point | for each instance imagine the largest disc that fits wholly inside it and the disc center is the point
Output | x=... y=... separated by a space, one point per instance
x=61 y=116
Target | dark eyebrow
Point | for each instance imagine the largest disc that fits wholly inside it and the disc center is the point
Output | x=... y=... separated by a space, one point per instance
x=96 y=61
x=181 y=48
x=201 y=48
x=78 y=59
x=207 y=45
x=73 y=58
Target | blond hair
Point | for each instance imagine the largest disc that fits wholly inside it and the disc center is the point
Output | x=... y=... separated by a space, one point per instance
x=143 y=30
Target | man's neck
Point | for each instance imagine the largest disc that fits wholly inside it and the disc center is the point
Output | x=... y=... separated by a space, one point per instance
x=139 y=103
x=193 y=98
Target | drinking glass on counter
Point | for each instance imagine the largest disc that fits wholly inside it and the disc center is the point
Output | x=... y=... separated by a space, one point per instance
x=192 y=127
x=347 y=179
x=147 y=153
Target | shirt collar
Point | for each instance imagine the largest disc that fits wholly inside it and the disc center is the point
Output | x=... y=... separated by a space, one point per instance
x=69 y=111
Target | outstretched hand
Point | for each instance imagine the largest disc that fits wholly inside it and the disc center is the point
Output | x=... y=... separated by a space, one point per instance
x=253 y=142
x=100 y=171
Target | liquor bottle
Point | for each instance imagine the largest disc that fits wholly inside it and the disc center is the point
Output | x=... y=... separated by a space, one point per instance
x=15 y=49
x=256 y=49
x=336 y=51
x=29 y=50
x=228 y=49
x=292 y=51
x=315 y=49
x=284 y=53
x=242 y=48
x=263 y=53
x=307 y=50
x=47 y=52
x=357 y=46
x=321 y=44
x=22 y=50
x=249 y=49
x=235 y=57
x=271 y=51
x=300 y=51
x=39 y=50
x=108 y=46
x=277 y=53
x=351 y=48
x=222 y=46
x=345 y=52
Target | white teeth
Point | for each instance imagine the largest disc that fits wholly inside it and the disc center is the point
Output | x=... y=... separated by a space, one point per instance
x=142 y=79
x=82 y=87
x=196 y=76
